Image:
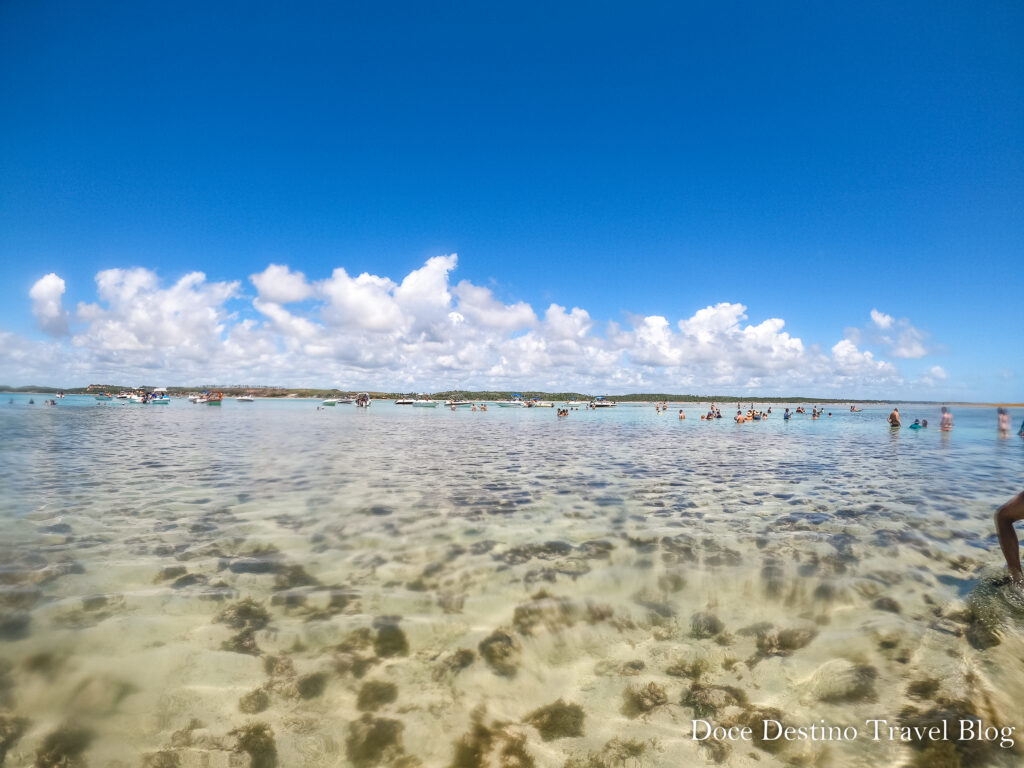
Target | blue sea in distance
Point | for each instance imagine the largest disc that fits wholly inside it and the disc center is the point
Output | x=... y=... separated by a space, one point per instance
x=273 y=584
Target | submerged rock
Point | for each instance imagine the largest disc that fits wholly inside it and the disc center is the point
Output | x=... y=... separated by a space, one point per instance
x=615 y=753
x=311 y=686
x=63 y=748
x=372 y=741
x=454 y=663
x=501 y=652
x=242 y=642
x=706 y=700
x=390 y=639
x=100 y=696
x=840 y=680
x=247 y=614
x=374 y=694
x=784 y=642
x=254 y=701
x=704 y=625
x=694 y=670
x=557 y=721
x=953 y=753
x=639 y=700
x=14 y=625
x=257 y=741
x=354 y=655
x=11 y=729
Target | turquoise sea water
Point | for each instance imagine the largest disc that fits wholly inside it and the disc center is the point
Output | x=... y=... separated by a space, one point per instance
x=272 y=583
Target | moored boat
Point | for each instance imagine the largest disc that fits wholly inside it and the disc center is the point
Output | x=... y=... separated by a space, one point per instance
x=331 y=401
x=602 y=402
x=515 y=401
x=245 y=399
x=405 y=401
x=103 y=396
x=159 y=396
x=214 y=398
x=425 y=403
x=363 y=400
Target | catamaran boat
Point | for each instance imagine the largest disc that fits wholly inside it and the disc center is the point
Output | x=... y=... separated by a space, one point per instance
x=602 y=402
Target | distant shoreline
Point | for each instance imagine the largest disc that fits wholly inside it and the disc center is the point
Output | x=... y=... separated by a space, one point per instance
x=283 y=393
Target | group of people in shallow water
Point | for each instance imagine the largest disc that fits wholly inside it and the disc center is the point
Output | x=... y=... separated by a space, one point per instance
x=946 y=421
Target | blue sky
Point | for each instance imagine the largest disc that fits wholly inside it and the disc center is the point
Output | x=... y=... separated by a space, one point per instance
x=806 y=162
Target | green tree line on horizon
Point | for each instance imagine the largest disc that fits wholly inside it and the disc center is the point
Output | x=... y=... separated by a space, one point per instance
x=454 y=394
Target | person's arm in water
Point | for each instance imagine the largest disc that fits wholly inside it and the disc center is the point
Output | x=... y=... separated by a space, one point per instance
x=1006 y=516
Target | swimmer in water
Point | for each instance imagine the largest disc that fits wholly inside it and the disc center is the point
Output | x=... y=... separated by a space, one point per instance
x=1006 y=516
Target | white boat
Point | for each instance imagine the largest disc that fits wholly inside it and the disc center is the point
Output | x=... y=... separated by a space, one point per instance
x=425 y=403
x=332 y=401
x=601 y=402
x=123 y=395
x=160 y=397
x=575 y=403
x=134 y=398
x=543 y=404
x=460 y=403
x=363 y=400
x=245 y=399
x=405 y=401
x=344 y=400
x=515 y=401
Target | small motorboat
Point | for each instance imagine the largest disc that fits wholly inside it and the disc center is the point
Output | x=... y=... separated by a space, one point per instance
x=602 y=402
x=405 y=401
x=104 y=396
x=425 y=403
x=331 y=401
x=245 y=399
x=159 y=396
x=514 y=401
x=363 y=400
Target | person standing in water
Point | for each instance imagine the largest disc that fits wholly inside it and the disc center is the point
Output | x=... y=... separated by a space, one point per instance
x=1006 y=516
x=1003 y=422
x=894 y=418
x=946 y=422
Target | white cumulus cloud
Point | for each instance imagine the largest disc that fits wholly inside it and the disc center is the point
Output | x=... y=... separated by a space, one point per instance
x=881 y=319
x=48 y=305
x=423 y=331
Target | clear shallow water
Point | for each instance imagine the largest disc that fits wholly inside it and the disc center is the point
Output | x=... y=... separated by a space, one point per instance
x=400 y=586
